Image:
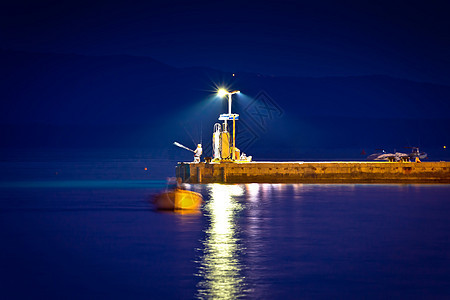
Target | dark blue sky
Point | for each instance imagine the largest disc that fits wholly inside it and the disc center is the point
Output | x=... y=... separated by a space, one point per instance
x=408 y=39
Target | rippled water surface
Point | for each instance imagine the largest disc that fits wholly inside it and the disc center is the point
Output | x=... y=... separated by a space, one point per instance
x=85 y=229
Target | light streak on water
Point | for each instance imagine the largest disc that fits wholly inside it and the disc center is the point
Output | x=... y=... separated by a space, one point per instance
x=221 y=268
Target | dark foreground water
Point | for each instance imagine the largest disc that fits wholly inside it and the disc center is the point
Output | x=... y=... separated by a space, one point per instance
x=84 y=229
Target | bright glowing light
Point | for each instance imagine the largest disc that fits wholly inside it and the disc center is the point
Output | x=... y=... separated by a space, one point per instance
x=221 y=269
x=222 y=92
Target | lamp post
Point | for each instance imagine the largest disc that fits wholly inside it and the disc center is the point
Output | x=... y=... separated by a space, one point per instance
x=221 y=93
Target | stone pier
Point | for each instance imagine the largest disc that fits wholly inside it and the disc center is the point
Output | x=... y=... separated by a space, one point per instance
x=314 y=172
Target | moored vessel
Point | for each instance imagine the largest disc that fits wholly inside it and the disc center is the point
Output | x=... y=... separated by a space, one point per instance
x=178 y=199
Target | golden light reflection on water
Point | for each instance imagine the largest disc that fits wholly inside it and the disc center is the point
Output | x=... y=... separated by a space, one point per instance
x=221 y=269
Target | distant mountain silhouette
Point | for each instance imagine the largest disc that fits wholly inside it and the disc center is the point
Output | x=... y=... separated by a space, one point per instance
x=124 y=101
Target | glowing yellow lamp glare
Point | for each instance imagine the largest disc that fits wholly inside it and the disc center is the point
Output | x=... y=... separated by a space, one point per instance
x=221 y=93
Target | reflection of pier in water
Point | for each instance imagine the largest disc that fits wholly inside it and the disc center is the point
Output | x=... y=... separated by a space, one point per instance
x=221 y=269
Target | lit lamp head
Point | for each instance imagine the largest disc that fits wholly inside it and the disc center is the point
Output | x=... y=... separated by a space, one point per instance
x=222 y=92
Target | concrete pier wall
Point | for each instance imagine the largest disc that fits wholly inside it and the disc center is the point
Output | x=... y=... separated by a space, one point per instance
x=314 y=172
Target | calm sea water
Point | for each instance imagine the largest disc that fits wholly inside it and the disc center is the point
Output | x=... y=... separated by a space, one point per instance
x=80 y=226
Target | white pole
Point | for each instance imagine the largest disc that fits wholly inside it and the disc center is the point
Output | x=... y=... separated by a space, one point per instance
x=229 y=103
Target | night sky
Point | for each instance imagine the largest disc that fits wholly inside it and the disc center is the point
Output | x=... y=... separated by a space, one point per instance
x=93 y=62
x=407 y=39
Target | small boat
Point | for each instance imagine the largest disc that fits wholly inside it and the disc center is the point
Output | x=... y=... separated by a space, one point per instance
x=178 y=199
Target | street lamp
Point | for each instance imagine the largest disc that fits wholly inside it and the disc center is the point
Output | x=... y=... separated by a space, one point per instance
x=221 y=93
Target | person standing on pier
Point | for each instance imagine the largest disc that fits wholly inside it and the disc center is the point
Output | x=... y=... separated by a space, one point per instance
x=198 y=153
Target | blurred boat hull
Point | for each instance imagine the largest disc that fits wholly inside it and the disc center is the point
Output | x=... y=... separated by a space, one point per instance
x=178 y=199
